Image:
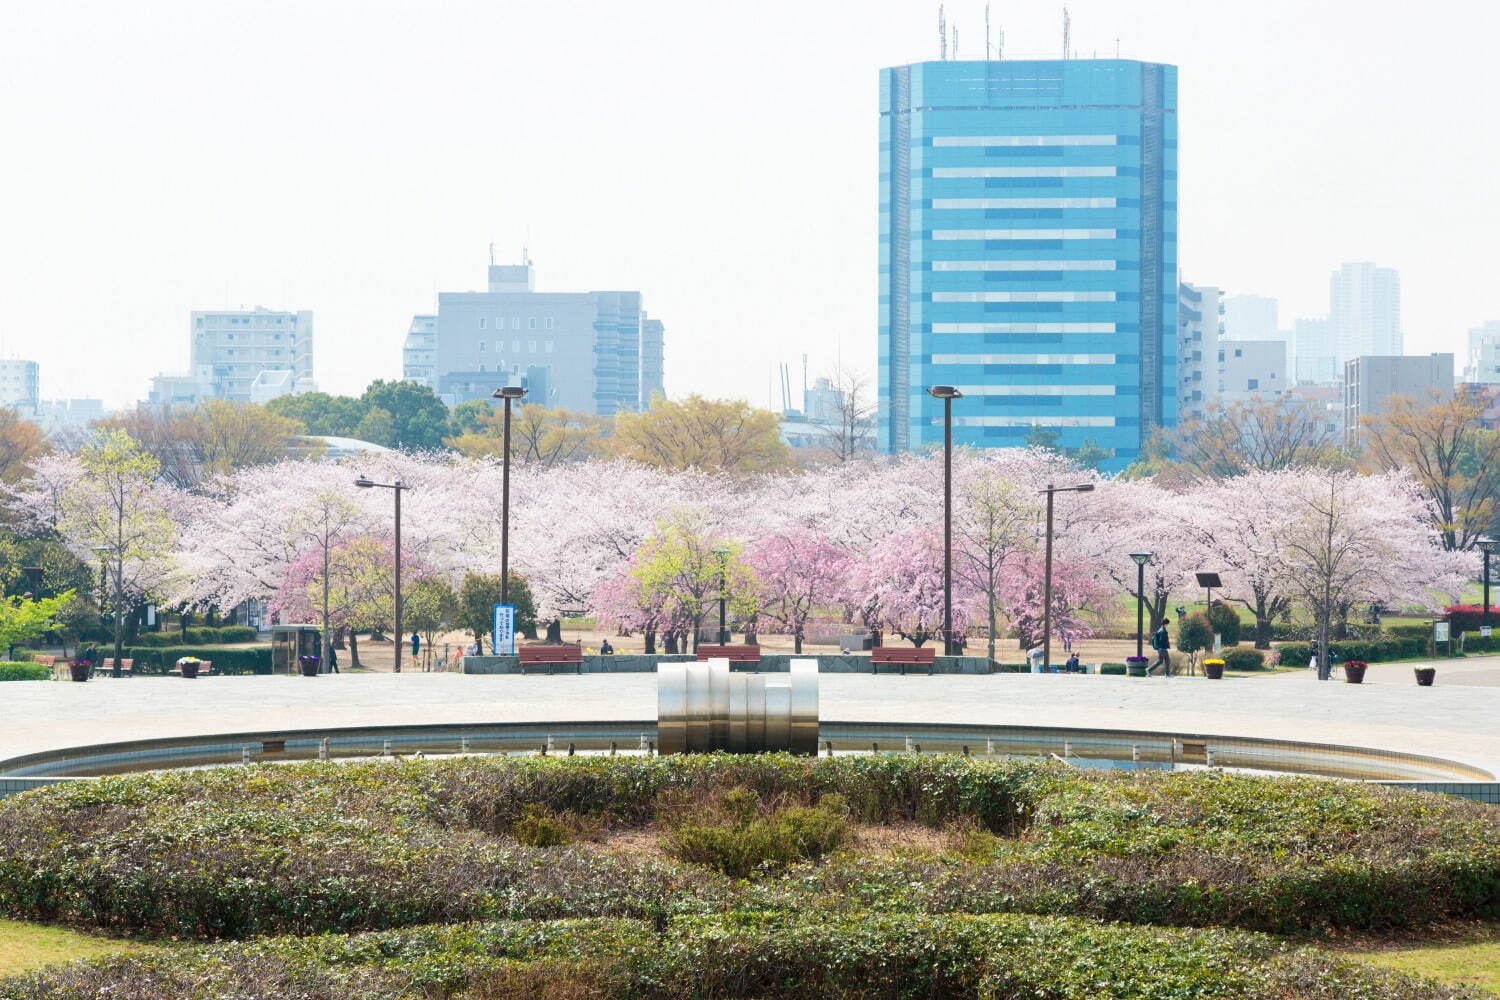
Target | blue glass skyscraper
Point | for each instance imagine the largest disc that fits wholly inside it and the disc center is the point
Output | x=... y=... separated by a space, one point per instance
x=1028 y=251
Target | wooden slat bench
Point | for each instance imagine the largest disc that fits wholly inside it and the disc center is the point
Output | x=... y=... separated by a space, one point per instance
x=106 y=667
x=902 y=657
x=205 y=667
x=551 y=656
x=50 y=662
x=734 y=654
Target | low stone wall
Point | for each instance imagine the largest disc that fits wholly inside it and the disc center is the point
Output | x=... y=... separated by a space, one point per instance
x=635 y=663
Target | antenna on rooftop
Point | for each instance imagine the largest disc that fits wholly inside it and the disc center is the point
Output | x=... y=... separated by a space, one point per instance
x=492 y=253
x=1000 y=43
x=1067 y=33
x=942 y=33
x=1117 y=45
x=986 y=32
x=955 y=39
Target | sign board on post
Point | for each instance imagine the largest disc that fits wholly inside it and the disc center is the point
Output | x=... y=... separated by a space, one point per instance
x=1439 y=631
x=1485 y=631
x=503 y=634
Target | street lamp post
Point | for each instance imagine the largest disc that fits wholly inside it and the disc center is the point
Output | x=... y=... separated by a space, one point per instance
x=947 y=393
x=1141 y=559
x=396 y=487
x=104 y=553
x=1047 y=568
x=1487 y=546
x=508 y=393
x=723 y=555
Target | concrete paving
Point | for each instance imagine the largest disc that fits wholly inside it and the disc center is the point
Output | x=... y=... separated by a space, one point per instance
x=1459 y=719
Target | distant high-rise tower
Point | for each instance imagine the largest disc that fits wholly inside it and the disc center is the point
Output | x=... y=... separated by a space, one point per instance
x=1028 y=251
x=1364 y=311
x=1251 y=317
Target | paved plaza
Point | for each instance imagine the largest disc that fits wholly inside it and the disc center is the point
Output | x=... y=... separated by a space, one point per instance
x=1459 y=719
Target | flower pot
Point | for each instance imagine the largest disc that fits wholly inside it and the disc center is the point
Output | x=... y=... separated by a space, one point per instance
x=1135 y=667
x=79 y=671
x=309 y=669
x=1425 y=675
x=1354 y=673
x=1213 y=671
x=189 y=670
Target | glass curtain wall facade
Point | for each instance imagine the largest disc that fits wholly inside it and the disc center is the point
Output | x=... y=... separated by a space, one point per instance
x=1028 y=252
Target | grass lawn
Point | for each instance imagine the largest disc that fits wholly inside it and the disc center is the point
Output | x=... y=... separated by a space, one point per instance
x=1470 y=960
x=27 y=946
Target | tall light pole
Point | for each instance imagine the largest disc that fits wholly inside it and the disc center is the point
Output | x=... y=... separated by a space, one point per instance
x=104 y=552
x=723 y=555
x=947 y=393
x=396 y=487
x=1047 y=570
x=1487 y=546
x=1141 y=559
x=506 y=393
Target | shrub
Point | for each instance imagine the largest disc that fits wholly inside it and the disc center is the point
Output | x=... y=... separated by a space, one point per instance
x=1226 y=622
x=735 y=957
x=1409 y=631
x=539 y=827
x=1244 y=659
x=735 y=841
x=1112 y=668
x=1299 y=654
x=199 y=636
x=1194 y=633
x=14 y=671
x=226 y=659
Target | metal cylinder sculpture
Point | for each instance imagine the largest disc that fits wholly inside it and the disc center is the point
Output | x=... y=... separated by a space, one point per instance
x=702 y=707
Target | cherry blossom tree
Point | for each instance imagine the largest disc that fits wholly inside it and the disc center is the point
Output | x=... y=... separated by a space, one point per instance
x=899 y=580
x=799 y=573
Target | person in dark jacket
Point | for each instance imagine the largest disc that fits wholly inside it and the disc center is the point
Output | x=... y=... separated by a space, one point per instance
x=1162 y=643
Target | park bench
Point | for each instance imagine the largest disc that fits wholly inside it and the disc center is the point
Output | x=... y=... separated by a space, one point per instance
x=50 y=662
x=551 y=656
x=734 y=654
x=106 y=667
x=205 y=667
x=902 y=657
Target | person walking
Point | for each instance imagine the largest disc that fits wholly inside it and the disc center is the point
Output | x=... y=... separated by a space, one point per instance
x=416 y=645
x=605 y=649
x=1162 y=643
x=333 y=659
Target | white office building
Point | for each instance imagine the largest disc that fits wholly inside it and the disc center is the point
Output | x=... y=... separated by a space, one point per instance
x=1252 y=370
x=1315 y=355
x=1364 y=311
x=1200 y=325
x=419 y=351
x=19 y=385
x=1482 y=364
x=231 y=348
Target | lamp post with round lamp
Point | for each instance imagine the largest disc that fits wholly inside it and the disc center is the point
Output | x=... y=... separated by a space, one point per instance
x=397 y=487
x=1141 y=559
x=1047 y=568
x=947 y=393
x=508 y=393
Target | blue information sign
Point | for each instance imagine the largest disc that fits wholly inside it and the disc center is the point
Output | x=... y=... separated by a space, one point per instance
x=504 y=634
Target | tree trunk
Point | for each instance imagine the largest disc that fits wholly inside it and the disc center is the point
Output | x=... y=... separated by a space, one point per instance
x=797 y=642
x=650 y=642
x=182 y=623
x=671 y=643
x=554 y=632
x=354 y=650
x=993 y=623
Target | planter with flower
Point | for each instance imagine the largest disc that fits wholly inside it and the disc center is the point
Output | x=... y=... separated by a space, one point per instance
x=1213 y=669
x=1135 y=666
x=1354 y=671
x=309 y=665
x=79 y=670
x=188 y=666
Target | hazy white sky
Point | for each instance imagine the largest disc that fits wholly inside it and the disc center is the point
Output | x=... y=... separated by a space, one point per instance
x=355 y=157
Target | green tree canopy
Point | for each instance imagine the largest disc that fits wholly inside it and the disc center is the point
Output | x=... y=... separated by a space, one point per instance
x=320 y=413
x=478 y=595
x=418 y=418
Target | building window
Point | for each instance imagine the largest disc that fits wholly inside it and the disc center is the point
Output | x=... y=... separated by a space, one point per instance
x=481 y=347
x=1253 y=383
x=547 y=347
x=531 y=346
x=1239 y=353
x=549 y=322
x=515 y=345
x=515 y=322
x=481 y=322
x=531 y=322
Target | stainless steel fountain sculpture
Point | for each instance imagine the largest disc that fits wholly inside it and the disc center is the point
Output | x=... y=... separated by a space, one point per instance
x=702 y=707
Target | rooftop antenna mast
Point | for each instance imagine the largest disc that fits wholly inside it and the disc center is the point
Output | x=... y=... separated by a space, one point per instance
x=1000 y=43
x=986 y=32
x=942 y=33
x=492 y=253
x=1067 y=33
x=955 y=39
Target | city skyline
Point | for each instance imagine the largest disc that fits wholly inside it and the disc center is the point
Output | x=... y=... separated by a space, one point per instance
x=310 y=166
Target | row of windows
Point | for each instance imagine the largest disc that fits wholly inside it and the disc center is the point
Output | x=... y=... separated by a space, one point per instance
x=1023 y=359
x=242 y=320
x=1023 y=328
x=1023 y=234
x=1024 y=171
x=1023 y=296
x=1037 y=390
x=515 y=345
x=515 y=323
x=1025 y=140
x=968 y=203
x=1023 y=265
x=274 y=336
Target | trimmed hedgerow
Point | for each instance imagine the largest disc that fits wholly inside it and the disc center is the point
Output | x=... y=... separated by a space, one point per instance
x=1298 y=654
x=316 y=847
x=747 y=955
x=206 y=635
x=226 y=659
x=1242 y=658
x=10 y=671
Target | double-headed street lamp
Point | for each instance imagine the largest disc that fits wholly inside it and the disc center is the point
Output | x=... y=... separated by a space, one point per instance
x=1047 y=568
x=947 y=393
x=396 y=487
x=117 y=605
x=1487 y=546
x=723 y=554
x=508 y=393
x=1141 y=559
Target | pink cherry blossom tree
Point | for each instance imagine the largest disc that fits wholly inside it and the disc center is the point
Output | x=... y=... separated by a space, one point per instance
x=899 y=583
x=799 y=574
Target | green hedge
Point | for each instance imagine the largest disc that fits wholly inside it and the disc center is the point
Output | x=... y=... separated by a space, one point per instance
x=226 y=659
x=764 y=956
x=204 y=636
x=1409 y=631
x=1299 y=654
x=1112 y=668
x=1243 y=658
x=348 y=846
x=11 y=671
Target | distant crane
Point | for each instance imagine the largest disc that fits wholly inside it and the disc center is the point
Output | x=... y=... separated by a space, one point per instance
x=1067 y=33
